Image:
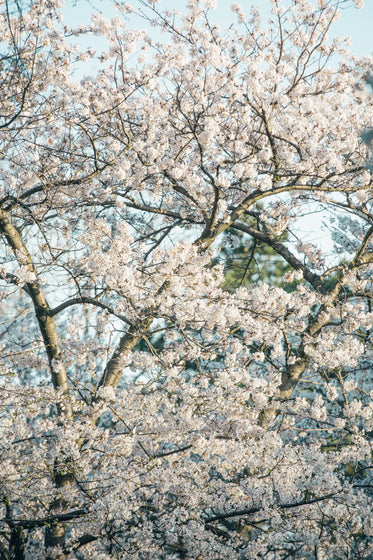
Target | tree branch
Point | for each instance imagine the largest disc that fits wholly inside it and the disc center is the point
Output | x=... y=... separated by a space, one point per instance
x=42 y=310
x=250 y=511
x=50 y=520
x=114 y=368
x=282 y=250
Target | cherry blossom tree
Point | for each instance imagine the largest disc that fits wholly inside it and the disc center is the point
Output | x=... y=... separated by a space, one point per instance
x=147 y=412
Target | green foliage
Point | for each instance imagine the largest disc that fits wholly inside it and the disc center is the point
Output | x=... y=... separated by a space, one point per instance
x=249 y=261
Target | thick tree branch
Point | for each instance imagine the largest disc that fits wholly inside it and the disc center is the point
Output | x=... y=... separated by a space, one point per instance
x=284 y=252
x=87 y=300
x=256 y=196
x=42 y=310
x=250 y=511
x=44 y=521
x=114 y=368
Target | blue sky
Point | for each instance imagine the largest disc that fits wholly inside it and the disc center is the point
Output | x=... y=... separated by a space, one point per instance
x=357 y=24
x=354 y=23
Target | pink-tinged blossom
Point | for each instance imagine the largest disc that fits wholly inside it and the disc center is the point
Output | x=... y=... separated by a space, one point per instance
x=166 y=392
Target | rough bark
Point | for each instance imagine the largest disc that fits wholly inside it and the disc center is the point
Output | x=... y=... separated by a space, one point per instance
x=46 y=322
x=55 y=533
x=17 y=544
x=114 y=368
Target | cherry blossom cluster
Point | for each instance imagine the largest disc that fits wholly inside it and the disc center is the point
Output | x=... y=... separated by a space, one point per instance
x=148 y=409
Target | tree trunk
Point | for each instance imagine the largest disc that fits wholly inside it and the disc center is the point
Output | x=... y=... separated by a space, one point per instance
x=17 y=544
